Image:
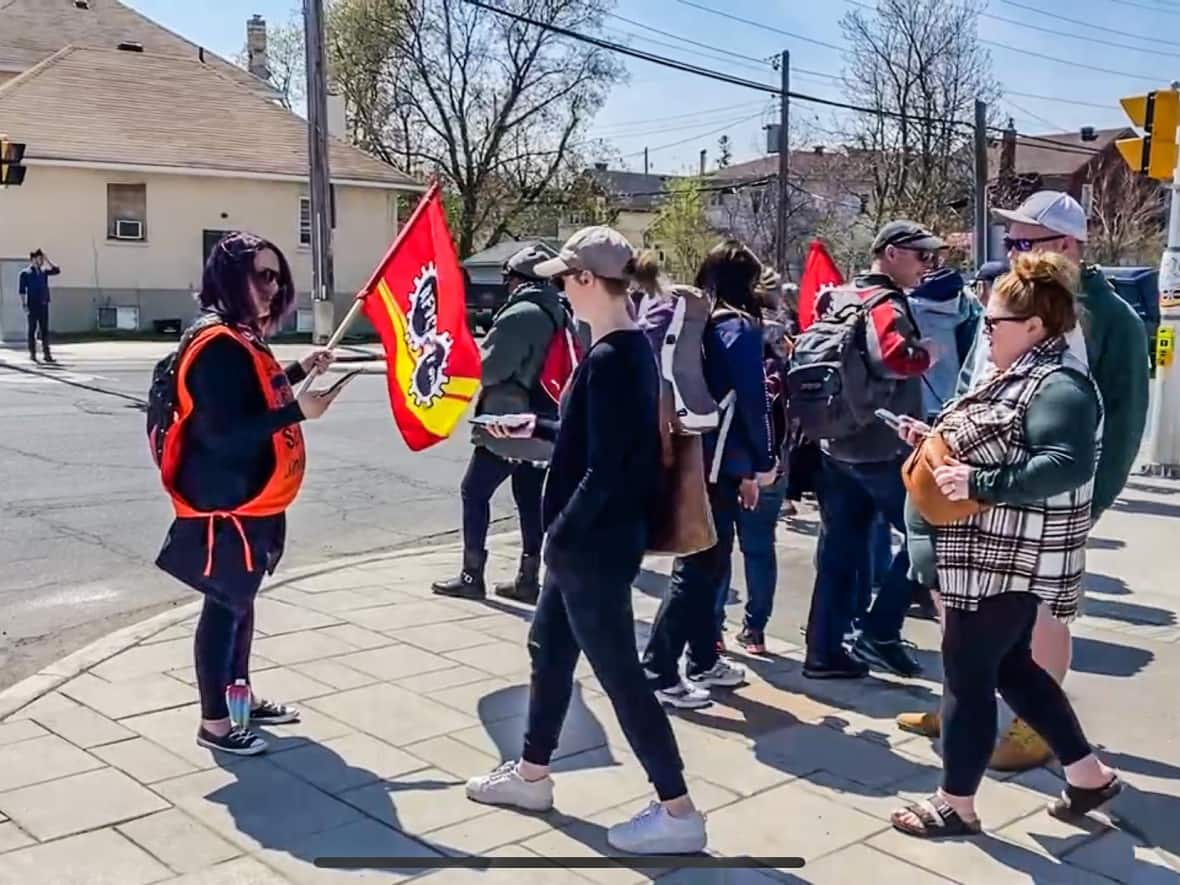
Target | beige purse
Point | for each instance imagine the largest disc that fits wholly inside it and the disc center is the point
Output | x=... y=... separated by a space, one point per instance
x=683 y=523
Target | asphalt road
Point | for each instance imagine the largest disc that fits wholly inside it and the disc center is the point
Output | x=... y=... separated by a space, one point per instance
x=83 y=514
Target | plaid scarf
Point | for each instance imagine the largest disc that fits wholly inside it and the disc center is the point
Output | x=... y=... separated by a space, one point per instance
x=1035 y=548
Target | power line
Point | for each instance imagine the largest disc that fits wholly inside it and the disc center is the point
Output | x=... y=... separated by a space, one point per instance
x=1074 y=101
x=1088 y=39
x=1085 y=24
x=714 y=56
x=695 y=137
x=704 y=113
x=691 y=42
x=760 y=25
x=1160 y=9
x=1035 y=117
x=1041 y=55
x=694 y=124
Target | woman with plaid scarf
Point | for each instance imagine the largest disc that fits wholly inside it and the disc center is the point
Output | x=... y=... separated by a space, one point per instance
x=1024 y=446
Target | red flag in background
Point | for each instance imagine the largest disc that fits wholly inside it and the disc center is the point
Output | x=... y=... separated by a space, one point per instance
x=819 y=272
x=416 y=301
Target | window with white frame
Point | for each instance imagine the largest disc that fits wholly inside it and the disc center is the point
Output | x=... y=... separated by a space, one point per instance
x=305 y=221
x=127 y=212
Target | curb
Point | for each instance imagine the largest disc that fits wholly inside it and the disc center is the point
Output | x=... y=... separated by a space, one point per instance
x=16 y=697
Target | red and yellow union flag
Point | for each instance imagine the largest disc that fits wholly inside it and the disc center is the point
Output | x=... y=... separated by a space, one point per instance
x=416 y=301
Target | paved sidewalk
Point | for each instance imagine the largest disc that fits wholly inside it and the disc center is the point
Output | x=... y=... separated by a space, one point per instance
x=405 y=695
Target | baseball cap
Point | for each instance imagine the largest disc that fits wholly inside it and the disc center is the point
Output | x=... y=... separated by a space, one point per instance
x=989 y=271
x=601 y=250
x=1057 y=211
x=908 y=234
x=524 y=263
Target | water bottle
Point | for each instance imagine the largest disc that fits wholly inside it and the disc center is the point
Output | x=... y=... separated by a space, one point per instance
x=237 y=698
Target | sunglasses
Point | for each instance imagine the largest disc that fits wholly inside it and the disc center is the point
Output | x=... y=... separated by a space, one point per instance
x=924 y=256
x=990 y=323
x=268 y=276
x=1026 y=244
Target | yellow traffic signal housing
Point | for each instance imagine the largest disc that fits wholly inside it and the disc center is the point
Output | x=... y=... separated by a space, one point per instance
x=1157 y=114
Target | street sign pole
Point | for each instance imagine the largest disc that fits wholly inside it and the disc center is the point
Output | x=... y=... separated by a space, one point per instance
x=1163 y=454
x=323 y=284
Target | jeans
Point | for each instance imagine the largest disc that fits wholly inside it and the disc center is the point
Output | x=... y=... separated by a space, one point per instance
x=688 y=614
x=38 y=316
x=755 y=535
x=880 y=549
x=851 y=496
x=586 y=612
x=486 y=472
x=222 y=653
x=986 y=650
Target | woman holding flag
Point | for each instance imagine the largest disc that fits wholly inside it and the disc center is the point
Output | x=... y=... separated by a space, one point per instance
x=233 y=461
x=605 y=462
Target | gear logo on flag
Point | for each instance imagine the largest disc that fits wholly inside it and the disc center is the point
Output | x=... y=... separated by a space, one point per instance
x=430 y=369
x=423 y=315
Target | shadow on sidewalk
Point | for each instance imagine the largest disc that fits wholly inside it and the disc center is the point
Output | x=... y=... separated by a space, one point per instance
x=1147 y=508
x=1107 y=658
x=1107 y=585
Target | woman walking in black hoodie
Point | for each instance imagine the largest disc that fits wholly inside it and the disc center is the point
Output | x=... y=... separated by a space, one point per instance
x=233 y=462
x=606 y=461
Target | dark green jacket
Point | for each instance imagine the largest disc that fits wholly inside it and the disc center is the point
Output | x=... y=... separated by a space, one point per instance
x=513 y=353
x=1116 y=348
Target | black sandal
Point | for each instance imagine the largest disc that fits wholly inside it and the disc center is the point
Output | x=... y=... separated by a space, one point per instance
x=1079 y=801
x=939 y=820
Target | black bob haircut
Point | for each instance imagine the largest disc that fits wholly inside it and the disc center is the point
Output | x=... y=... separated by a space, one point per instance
x=225 y=285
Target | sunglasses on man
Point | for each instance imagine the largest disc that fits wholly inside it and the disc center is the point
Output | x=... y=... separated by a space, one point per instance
x=1027 y=244
x=924 y=256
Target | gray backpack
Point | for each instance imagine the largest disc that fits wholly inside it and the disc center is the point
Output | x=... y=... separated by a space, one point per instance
x=831 y=390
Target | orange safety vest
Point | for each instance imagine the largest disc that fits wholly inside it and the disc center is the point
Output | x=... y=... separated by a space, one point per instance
x=290 y=456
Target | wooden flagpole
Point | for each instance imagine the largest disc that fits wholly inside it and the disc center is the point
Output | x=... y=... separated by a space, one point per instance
x=358 y=302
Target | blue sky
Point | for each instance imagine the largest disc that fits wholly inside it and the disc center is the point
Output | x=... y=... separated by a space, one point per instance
x=676 y=115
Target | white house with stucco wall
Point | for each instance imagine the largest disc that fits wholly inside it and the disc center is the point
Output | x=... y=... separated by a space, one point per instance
x=140 y=159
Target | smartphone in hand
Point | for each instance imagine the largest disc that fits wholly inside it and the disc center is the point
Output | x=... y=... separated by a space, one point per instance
x=890 y=418
x=339 y=383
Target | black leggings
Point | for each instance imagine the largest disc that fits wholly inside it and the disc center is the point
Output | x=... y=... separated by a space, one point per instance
x=485 y=473
x=222 y=652
x=986 y=650
x=581 y=612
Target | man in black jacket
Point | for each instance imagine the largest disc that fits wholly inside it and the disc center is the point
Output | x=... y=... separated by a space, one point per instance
x=514 y=352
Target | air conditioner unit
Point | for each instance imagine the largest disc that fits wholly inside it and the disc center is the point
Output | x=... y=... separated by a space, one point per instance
x=128 y=229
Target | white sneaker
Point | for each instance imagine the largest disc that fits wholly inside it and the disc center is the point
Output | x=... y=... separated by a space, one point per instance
x=654 y=831
x=684 y=696
x=722 y=674
x=505 y=786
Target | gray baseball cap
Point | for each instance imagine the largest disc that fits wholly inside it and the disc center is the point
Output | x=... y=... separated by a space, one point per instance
x=601 y=250
x=906 y=234
x=524 y=263
x=1055 y=210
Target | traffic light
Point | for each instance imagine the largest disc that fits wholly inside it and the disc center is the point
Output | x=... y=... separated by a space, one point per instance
x=1157 y=114
x=12 y=173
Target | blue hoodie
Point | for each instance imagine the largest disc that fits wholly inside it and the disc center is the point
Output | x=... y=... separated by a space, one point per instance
x=733 y=362
x=949 y=316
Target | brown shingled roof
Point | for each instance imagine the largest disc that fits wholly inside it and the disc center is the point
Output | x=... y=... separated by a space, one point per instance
x=1045 y=159
x=109 y=106
x=33 y=30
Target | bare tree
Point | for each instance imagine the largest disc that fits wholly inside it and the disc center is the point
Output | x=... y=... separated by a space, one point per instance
x=497 y=108
x=921 y=61
x=1127 y=220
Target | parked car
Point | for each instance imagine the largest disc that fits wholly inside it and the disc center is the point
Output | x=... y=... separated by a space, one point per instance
x=483 y=274
x=1140 y=288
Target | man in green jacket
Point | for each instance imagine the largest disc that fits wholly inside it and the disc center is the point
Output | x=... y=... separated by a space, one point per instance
x=514 y=352
x=1111 y=343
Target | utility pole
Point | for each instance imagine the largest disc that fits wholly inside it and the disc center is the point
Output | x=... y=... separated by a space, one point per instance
x=784 y=167
x=646 y=165
x=981 y=227
x=322 y=275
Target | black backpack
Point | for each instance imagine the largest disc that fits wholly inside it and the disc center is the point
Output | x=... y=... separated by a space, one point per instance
x=831 y=390
x=161 y=398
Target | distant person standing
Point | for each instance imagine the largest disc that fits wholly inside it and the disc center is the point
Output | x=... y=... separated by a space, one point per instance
x=34 y=293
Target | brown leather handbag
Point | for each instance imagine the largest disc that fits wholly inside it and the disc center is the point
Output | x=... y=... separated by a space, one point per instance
x=683 y=518
x=918 y=475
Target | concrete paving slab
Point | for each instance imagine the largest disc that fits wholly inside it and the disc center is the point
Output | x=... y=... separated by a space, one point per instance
x=78 y=803
x=179 y=841
x=344 y=763
x=394 y=662
x=130 y=697
x=41 y=759
x=392 y=714
x=143 y=760
x=103 y=857
x=85 y=728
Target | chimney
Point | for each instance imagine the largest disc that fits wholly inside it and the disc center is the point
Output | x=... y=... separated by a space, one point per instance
x=256 y=61
x=1008 y=152
x=819 y=150
x=600 y=166
x=1089 y=134
x=704 y=154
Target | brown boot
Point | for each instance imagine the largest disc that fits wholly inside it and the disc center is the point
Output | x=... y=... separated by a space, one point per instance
x=1020 y=749
x=926 y=724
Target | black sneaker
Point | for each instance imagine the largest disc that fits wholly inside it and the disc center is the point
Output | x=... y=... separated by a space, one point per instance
x=840 y=667
x=270 y=713
x=889 y=655
x=238 y=742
